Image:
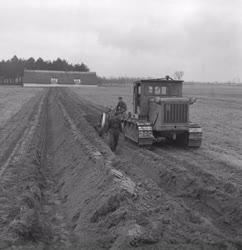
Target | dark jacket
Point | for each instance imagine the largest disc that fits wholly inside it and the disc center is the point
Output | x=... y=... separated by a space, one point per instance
x=121 y=107
x=115 y=124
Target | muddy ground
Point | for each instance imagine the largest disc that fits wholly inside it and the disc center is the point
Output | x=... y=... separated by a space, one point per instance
x=62 y=188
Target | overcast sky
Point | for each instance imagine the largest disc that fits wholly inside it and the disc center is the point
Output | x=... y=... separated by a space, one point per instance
x=154 y=38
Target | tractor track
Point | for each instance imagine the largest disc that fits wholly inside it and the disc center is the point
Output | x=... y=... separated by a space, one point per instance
x=216 y=200
x=206 y=160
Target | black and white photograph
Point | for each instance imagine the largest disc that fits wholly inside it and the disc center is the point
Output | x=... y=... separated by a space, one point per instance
x=120 y=125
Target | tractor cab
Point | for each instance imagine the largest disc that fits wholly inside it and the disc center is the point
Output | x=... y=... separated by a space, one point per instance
x=154 y=90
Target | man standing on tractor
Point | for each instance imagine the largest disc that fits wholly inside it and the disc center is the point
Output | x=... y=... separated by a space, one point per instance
x=114 y=128
x=121 y=107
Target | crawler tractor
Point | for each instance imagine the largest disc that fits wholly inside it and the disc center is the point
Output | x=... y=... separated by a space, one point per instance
x=160 y=111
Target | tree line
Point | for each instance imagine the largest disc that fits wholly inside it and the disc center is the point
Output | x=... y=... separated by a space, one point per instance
x=127 y=80
x=118 y=80
x=14 y=68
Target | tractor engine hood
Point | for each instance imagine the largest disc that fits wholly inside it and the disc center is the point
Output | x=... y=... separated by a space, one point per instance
x=168 y=110
x=160 y=100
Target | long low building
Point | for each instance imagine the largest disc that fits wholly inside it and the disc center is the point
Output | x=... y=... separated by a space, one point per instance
x=59 y=78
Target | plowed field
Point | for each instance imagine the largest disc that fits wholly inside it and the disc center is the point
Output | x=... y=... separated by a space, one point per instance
x=62 y=188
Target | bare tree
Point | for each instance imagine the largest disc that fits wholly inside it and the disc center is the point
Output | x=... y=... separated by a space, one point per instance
x=178 y=75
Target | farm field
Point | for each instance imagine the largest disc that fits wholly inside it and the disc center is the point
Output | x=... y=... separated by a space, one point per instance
x=61 y=187
x=218 y=109
x=12 y=99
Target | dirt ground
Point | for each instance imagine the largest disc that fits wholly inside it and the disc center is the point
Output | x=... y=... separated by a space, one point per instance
x=12 y=99
x=62 y=188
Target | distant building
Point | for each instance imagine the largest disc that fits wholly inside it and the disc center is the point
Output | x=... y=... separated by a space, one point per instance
x=10 y=81
x=55 y=78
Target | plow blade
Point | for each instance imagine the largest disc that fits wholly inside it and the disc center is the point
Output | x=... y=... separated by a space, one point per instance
x=194 y=136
